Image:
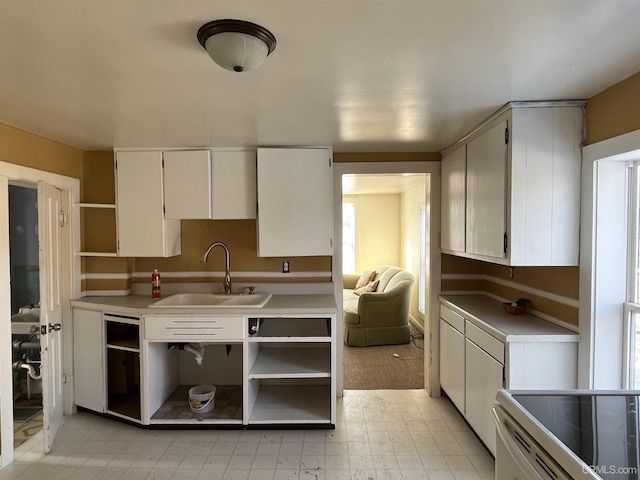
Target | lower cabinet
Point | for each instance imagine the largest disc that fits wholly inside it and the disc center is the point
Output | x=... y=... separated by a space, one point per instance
x=452 y=366
x=106 y=362
x=475 y=364
x=484 y=377
x=88 y=362
x=268 y=370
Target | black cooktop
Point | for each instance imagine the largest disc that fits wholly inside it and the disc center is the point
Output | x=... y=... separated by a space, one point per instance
x=603 y=430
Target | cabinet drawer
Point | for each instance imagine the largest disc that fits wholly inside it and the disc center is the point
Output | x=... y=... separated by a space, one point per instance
x=488 y=343
x=452 y=318
x=193 y=328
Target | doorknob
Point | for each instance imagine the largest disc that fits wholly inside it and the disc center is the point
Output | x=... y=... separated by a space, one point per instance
x=53 y=327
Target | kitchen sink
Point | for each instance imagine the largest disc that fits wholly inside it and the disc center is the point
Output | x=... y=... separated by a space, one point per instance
x=212 y=300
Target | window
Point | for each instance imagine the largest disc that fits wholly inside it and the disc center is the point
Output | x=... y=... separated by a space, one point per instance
x=348 y=238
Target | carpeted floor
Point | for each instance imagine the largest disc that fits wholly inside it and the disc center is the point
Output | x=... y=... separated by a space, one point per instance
x=372 y=368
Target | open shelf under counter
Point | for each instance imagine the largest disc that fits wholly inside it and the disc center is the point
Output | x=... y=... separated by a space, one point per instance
x=126 y=344
x=283 y=329
x=291 y=362
x=291 y=404
x=175 y=410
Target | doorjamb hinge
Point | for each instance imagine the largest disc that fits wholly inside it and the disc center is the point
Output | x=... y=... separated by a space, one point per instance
x=329 y=162
x=62 y=218
x=505 y=242
x=506 y=135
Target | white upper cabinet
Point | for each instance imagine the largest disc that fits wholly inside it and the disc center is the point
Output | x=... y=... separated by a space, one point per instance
x=204 y=184
x=295 y=211
x=522 y=187
x=141 y=225
x=234 y=184
x=187 y=184
x=454 y=194
x=486 y=193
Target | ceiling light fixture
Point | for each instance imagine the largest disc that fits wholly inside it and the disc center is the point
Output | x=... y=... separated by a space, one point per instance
x=236 y=45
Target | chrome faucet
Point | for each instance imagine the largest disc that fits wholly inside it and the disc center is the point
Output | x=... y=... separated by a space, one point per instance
x=226 y=283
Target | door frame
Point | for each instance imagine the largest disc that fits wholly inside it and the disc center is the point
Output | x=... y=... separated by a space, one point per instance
x=70 y=195
x=431 y=323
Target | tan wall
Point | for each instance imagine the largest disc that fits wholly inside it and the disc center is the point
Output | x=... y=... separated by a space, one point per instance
x=610 y=113
x=614 y=111
x=485 y=277
x=377 y=230
x=29 y=150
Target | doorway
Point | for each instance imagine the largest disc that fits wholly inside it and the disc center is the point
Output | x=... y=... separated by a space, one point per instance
x=56 y=196
x=431 y=261
x=25 y=312
x=383 y=223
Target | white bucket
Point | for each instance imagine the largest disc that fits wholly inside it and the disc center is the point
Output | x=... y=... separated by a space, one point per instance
x=202 y=398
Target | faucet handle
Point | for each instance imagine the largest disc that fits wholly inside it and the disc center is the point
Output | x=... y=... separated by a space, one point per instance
x=251 y=290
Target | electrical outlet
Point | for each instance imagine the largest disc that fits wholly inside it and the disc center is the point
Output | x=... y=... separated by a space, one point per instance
x=285 y=267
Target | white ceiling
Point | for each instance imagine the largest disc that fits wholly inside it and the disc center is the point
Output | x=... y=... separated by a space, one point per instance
x=361 y=75
x=377 y=184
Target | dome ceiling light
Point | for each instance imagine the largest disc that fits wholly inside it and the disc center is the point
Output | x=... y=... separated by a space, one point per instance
x=236 y=45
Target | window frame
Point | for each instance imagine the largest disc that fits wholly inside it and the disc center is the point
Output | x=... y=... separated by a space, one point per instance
x=632 y=304
x=604 y=319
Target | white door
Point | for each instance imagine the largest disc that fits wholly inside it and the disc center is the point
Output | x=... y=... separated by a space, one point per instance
x=486 y=193
x=295 y=210
x=49 y=234
x=483 y=379
x=453 y=194
x=452 y=367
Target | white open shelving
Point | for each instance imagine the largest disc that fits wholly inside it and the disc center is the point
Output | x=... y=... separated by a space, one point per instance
x=291 y=371
x=100 y=206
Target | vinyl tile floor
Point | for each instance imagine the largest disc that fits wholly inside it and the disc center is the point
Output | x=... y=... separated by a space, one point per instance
x=379 y=435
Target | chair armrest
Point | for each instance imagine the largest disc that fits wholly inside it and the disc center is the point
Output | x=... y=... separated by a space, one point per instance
x=380 y=309
x=349 y=281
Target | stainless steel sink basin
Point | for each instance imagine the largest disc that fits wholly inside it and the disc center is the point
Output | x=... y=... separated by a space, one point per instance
x=212 y=300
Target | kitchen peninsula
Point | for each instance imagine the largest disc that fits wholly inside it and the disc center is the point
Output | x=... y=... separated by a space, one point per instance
x=272 y=365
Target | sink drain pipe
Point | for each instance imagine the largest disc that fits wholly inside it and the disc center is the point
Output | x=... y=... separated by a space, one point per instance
x=197 y=349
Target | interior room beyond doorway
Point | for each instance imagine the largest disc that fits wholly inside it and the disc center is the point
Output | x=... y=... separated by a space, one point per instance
x=384 y=223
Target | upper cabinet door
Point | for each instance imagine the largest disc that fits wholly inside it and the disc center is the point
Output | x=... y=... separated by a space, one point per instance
x=295 y=210
x=142 y=228
x=486 y=193
x=453 y=200
x=203 y=184
x=234 y=184
x=187 y=184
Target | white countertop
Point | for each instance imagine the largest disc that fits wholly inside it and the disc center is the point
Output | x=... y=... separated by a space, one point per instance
x=277 y=304
x=488 y=314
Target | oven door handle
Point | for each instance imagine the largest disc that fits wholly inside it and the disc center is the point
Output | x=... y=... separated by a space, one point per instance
x=516 y=455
